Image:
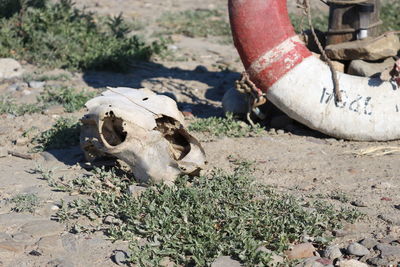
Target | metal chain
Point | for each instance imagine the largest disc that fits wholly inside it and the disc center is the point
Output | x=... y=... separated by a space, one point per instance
x=254 y=95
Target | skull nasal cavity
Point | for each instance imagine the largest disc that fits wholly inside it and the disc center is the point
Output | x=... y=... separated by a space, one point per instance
x=113 y=130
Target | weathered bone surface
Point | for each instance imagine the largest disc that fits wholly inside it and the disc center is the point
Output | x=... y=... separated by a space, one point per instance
x=143 y=129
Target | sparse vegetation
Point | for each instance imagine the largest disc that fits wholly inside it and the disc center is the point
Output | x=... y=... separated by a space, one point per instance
x=9 y=106
x=64 y=133
x=390 y=15
x=229 y=126
x=195 y=23
x=25 y=203
x=300 y=22
x=59 y=35
x=195 y=221
x=71 y=99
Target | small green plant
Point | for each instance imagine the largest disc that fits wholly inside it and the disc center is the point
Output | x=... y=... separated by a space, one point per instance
x=228 y=126
x=46 y=77
x=390 y=15
x=25 y=203
x=62 y=36
x=340 y=196
x=300 y=22
x=8 y=106
x=68 y=97
x=195 y=23
x=64 y=133
x=195 y=220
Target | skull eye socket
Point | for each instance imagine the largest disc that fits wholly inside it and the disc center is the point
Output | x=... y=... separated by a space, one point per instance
x=113 y=130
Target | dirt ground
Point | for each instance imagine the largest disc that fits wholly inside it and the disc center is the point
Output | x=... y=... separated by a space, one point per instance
x=291 y=158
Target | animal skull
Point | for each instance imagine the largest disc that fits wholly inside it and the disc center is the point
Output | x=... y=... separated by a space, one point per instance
x=143 y=129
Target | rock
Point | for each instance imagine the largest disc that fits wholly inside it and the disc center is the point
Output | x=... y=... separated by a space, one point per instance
x=384 y=46
x=280 y=131
x=225 y=261
x=378 y=262
x=357 y=250
x=280 y=122
x=36 y=84
x=351 y=263
x=301 y=251
x=338 y=66
x=120 y=257
x=112 y=220
x=42 y=228
x=10 y=68
x=3 y=152
x=368 y=242
x=389 y=251
x=367 y=69
x=234 y=102
x=359 y=203
x=136 y=190
x=201 y=69
x=332 y=252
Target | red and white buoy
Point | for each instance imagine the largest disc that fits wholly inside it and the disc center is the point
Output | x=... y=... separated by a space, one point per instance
x=301 y=84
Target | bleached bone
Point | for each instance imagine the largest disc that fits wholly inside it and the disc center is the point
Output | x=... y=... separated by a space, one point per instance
x=143 y=129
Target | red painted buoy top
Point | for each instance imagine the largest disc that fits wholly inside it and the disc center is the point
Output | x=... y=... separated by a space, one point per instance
x=265 y=39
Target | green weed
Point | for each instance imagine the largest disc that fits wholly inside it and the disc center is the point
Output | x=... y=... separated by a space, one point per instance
x=71 y=99
x=228 y=126
x=195 y=23
x=25 y=203
x=300 y=22
x=195 y=221
x=390 y=15
x=62 y=36
x=8 y=106
x=64 y=133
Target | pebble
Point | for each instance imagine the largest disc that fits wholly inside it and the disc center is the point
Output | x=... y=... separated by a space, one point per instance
x=332 y=252
x=136 y=190
x=201 y=69
x=42 y=228
x=359 y=203
x=36 y=84
x=368 y=242
x=120 y=257
x=351 y=263
x=280 y=131
x=10 y=68
x=357 y=249
x=300 y=251
x=378 y=262
x=311 y=262
x=225 y=261
x=389 y=251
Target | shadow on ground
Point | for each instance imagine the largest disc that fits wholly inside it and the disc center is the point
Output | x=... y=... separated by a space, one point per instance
x=217 y=81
